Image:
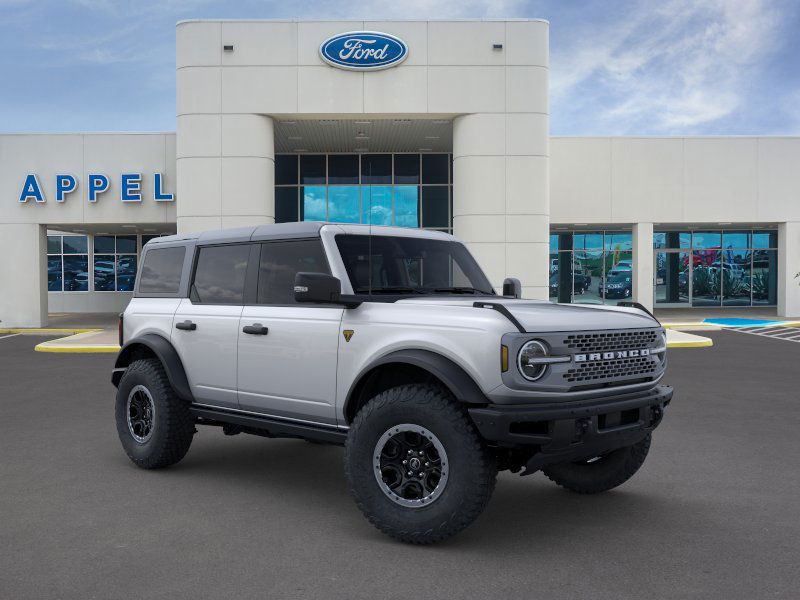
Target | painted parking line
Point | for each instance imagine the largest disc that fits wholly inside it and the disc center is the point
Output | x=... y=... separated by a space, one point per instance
x=789 y=334
x=2 y=337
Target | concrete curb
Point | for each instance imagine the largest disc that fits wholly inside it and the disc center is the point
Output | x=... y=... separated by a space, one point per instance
x=44 y=347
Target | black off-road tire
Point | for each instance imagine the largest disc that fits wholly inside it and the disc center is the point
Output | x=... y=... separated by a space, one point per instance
x=602 y=474
x=472 y=467
x=173 y=425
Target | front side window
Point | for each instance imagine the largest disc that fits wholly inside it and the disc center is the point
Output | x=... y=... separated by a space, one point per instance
x=400 y=265
x=220 y=273
x=280 y=262
x=161 y=270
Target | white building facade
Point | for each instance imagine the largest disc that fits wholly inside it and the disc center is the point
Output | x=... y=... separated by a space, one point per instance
x=443 y=126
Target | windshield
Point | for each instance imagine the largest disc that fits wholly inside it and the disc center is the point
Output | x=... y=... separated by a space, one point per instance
x=619 y=278
x=410 y=265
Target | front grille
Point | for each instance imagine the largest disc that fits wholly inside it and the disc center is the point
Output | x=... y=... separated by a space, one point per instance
x=618 y=368
x=612 y=340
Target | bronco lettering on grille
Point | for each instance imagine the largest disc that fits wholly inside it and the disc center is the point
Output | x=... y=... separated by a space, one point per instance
x=611 y=355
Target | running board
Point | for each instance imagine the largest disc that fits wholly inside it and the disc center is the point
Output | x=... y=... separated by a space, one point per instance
x=269 y=426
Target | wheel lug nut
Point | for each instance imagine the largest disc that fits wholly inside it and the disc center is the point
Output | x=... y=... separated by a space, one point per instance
x=420 y=452
x=410 y=452
x=427 y=464
x=405 y=461
x=410 y=473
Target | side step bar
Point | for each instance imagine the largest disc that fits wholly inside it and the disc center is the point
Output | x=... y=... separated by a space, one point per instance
x=269 y=426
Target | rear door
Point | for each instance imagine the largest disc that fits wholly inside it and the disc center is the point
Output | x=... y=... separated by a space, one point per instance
x=206 y=325
x=288 y=351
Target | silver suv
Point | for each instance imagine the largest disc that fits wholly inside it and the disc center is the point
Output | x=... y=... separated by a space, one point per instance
x=392 y=343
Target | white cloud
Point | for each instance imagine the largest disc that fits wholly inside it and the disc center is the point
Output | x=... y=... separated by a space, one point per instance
x=670 y=69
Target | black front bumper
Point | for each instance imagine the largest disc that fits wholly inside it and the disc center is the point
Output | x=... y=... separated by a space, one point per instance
x=568 y=431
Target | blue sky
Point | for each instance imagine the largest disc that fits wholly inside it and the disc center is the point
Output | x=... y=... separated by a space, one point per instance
x=666 y=67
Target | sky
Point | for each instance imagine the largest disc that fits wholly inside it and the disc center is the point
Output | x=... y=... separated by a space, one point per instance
x=617 y=67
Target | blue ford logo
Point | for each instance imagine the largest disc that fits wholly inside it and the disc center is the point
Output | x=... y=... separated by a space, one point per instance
x=363 y=50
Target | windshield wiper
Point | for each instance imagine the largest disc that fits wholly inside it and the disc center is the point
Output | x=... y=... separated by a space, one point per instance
x=461 y=290
x=396 y=289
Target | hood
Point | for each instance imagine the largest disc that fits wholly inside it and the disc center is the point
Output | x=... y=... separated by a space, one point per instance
x=542 y=316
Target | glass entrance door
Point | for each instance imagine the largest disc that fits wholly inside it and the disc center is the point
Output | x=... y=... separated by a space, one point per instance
x=673 y=279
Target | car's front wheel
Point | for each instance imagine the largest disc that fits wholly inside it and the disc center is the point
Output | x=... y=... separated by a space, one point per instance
x=153 y=424
x=416 y=466
x=600 y=473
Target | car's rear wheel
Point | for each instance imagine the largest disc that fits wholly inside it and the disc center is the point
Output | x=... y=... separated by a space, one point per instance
x=600 y=473
x=153 y=424
x=416 y=466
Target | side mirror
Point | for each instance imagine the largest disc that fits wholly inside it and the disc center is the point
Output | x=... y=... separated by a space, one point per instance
x=320 y=288
x=512 y=287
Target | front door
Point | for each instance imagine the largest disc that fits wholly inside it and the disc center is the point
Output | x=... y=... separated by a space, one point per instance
x=287 y=351
x=206 y=325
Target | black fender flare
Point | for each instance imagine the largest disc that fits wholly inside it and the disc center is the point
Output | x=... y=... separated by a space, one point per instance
x=455 y=378
x=165 y=352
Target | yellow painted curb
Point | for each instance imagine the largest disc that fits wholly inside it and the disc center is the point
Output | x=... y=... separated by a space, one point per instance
x=46 y=330
x=703 y=343
x=698 y=324
x=44 y=347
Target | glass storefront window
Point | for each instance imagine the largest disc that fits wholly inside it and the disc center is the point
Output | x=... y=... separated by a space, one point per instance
x=587 y=276
x=343 y=169
x=376 y=169
x=706 y=239
x=312 y=169
x=376 y=204
x=343 y=204
x=672 y=278
x=344 y=187
x=54 y=244
x=765 y=239
x=286 y=207
x=588 y=241
x=727 y=268
x=435 y=206
x=76 y=273
x=765 y=277
x=706 y=278
x=54 y=273
x=406 y=168
x=314 y=203
x=736 y=239
x=435 y=168
x=126 y=272
x=618 y=241
x=75 y=244
x=104 y=272
x=286 y=169
x=406 y=206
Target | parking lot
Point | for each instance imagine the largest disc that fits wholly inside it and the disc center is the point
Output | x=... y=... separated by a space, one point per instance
x=714 y=512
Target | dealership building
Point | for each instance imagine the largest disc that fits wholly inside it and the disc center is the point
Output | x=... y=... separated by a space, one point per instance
x=434 y=124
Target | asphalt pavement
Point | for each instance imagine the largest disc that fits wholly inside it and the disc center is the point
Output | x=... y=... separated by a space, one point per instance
x=714 y=512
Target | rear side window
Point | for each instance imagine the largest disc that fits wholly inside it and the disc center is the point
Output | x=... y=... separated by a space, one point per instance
x=161 y=271
x=219 y=274
x=280 y=262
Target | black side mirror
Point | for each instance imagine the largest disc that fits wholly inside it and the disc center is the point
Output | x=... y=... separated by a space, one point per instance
x=512 y=287
x=320 y=288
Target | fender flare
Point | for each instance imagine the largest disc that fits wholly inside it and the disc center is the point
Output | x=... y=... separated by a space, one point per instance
x=455 y=378
x=165 y=352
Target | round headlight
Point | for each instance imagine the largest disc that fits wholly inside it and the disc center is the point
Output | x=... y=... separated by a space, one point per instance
x=532 y=350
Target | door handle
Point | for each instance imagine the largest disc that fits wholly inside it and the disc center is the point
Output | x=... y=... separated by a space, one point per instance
x=186 y=326
x=256 y=329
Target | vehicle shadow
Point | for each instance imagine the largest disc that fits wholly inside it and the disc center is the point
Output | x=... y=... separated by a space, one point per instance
x=529 y=513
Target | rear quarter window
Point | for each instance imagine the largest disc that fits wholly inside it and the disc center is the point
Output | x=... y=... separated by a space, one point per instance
x=161 y=270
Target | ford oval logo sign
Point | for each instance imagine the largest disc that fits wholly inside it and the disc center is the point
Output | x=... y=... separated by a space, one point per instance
x=363 y=50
